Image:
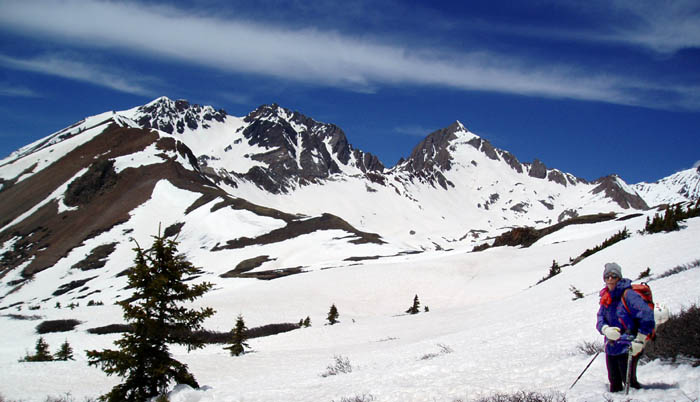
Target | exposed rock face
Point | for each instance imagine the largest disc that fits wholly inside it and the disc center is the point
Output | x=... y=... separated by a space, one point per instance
x=538 y=169
x=612 y=189
x=512 y=161
x=485 y=147
x=97 y=257
x=432 y=153
x=99 y=178
x=557 y=177
x=300 y=148
x=173 y=116
x=431 y=157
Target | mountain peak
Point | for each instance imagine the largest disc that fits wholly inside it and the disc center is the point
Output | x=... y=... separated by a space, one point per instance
x=457 y=126
x=158 y=101
x=615 y=188
x=170 y=116
x=299 y=148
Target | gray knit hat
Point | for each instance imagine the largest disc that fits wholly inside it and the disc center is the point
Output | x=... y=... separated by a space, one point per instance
x=612 y=268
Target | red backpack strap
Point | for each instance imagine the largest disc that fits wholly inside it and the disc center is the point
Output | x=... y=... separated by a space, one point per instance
x=624 y=302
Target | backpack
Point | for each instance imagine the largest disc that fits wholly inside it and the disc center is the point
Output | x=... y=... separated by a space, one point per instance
x=644 y=291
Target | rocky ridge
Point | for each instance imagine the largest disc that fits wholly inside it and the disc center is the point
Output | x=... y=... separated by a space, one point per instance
x=299 y=149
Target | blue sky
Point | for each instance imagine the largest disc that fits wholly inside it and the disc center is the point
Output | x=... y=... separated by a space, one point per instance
x=591 y=88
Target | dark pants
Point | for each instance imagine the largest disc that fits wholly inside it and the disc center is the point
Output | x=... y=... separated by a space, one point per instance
x=617 y=371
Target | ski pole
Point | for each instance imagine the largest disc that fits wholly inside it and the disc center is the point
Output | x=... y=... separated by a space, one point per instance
x=584 y=370
x=629 y=371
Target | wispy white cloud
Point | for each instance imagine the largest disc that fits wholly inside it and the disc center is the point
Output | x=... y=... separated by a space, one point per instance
x=69 y=67
x=664 y=27
x=237 y=98
x=309 y=55
x=15 y=91
x=413 y=130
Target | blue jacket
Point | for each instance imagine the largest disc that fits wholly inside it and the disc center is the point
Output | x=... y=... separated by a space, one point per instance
x=612 y=313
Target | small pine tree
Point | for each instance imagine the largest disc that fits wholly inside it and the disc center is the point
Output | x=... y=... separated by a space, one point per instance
x=426 y=309
x=307 y=322
x=154 y=312
x=238 y=338
x=333 y=315
x=41 y=354
x=65 y=353
x=415 y=308
x=554 y=269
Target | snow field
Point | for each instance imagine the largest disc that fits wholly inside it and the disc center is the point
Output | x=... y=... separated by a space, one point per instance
x=505 y=336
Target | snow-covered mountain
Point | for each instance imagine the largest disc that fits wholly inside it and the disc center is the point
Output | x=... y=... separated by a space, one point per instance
x=682 y=186
x=272 y=146
x=273 y=173
x=285 y=217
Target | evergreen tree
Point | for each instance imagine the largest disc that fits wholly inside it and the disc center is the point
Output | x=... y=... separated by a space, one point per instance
x=41 y=354
x=307 y=322
x=238 y=338
x=554 y=269
x=333 y=315
x=143 y=358
x=415 y=308
x=65 y=353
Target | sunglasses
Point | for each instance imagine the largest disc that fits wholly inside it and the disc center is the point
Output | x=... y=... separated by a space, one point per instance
x=611 y=276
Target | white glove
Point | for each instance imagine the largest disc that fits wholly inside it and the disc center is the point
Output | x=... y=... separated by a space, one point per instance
x=637 y=344
x=612 y=333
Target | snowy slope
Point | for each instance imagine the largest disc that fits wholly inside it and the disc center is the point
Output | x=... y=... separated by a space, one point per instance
x=679 y=187
x=504 y=335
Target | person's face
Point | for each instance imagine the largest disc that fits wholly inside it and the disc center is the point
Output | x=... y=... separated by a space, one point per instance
x=611 y=281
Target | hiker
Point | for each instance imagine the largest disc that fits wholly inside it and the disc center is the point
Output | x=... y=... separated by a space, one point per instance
x=626 y=328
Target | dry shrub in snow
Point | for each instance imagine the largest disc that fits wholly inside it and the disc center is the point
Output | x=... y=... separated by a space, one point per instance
x=679 y=268
x=358 y=398
x=678 y=339
x=110 y=329
x=341 y=365
x=590 y=348
x=524 y=396
x=56 y=326
x=444 y=349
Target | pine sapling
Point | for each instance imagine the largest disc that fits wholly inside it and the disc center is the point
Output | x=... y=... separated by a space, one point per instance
x=238 y=338
x=41 y=354
x=333 y=315
x=415 y=308
x=65 y=353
